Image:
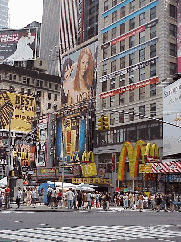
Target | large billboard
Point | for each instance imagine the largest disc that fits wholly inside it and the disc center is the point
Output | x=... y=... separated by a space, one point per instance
x=41 y=145
x=22 y=107
x=18 y=45
x=172 y=114
x=179 y=36
x=79 y=75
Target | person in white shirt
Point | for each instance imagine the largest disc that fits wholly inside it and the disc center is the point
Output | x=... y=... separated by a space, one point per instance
x=19 y=195
x=70 y=196
x=88 y=196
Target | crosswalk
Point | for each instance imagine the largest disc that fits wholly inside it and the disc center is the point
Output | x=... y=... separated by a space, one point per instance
x=44 y=233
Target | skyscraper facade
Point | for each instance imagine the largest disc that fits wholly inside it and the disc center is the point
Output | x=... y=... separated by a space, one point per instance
x=4 y=14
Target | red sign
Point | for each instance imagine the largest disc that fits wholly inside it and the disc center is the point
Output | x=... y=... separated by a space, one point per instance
x=125 y=36
x=129 y=88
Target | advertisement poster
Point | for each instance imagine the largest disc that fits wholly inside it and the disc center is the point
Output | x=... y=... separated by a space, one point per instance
x=17 y=45
x=3 y=145
x=179 y=36
x=75 y=132
x=172 y=114
x=22 y=150
x=22 y=107
x=79 y=75
x=41 y=144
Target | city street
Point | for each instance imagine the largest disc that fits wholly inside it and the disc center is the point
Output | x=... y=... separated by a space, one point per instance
x=98 y=225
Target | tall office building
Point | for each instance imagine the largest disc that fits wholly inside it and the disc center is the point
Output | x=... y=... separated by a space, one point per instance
x=138 y=50
x=65 y=25
x=4 y=14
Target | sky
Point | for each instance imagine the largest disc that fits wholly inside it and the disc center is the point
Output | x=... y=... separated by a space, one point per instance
x=23 y=12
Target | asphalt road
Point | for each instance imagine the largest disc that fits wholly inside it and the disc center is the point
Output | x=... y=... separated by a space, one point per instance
x=97 y=225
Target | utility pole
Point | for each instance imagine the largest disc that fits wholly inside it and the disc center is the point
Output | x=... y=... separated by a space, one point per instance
x=9 y=149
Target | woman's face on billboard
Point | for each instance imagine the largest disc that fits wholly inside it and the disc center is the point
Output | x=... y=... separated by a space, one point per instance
x=84 y=63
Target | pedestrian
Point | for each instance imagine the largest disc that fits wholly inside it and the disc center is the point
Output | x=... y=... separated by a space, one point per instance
x=18 y=198
x=125 y=200
x=7 y=197
x=140 y=202
x=75 y=199
x=79 y=199
x=34 y=197
x=59 y=198
x=131 y=198
x=107 y=200
x=53 y=198
x=41 y=196
x=100 y=199
x=49 y=194
x=70 y=198
x=28 y=196
x=97 y=199
x=88 y=198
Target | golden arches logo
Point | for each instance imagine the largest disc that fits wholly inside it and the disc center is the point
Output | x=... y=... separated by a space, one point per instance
x=87 y=155
x=90 y=168
x=133 y=155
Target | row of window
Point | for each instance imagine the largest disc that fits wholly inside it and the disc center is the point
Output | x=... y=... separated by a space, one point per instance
x=37 y=83
x=131 y=99
x=131 y=133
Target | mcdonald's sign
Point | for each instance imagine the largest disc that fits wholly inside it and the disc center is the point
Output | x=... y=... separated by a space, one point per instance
x=146 y=150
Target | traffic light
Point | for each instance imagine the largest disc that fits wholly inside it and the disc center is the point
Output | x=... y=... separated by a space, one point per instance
x=105 y=122
x=100 y=123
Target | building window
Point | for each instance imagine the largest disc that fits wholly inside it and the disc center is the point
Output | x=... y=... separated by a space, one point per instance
x=28 y=80
x=114 y=17
x=152 y=50
x=173 y=11
x=173 y=30
x=114 y=2
x=122 y=81
x=113 y=49
x=105 y=37
x=131 y=59
x=105 y=21
x=153 y=70
x=153 y=90
x=113 y=33
x=142 y=55
x=122 y=62
x=112 y=101
x=24 y=80
x=132 y=24
x=104 y=70
x=152 y=109
x=132 y=41
x=132 y=7
x=141 y=93
x=131 y=77
x=112 y=119
x=113 y=66
x=121 y=117
x=103 y=103
x=22 y=90
x=141 y=111
x=105 y=53
x=152 y=13
x=14 y=77
x=37 y=83
x=131 y=114
x=122 y=29
x=55 y=98
x=153 y=32
x=45 y=84
x=173 y=49
x=142 y=37
x=131 y=96
x=104 y=86
x=105 y=5
x=142 y=18
x=112 y=83
x=29 y=91
x=122 y=45
x=49 y=105
x=172 y=68
x=49 y=96
x=142 y=3
x=56 y=86
x=10 y=77
x=55 y=107
x=41 y=63
x=142 y=74
x=121 y=98
x=122 y=12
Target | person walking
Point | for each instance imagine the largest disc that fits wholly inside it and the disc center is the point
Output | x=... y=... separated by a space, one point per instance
x=88 y=196
x=125 y=200
x=53 y=198
x=34 y=197
x=7 y=197
x=70 y=196
x=41 y=195
x=28 y=197
x=79 y=199
x=49 y=194
x=18 y=198
x=59 y=198
x=75 y=199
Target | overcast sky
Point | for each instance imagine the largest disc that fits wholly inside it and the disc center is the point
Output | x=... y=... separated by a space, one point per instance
x=23 y=12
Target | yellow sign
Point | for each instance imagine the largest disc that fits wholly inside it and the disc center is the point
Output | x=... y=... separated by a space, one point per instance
x=24 y=111
x=91 y=180
x=89 y=169
x=60 y=179
x=145 y=168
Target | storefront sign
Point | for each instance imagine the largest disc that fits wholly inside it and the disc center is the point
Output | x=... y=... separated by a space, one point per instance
x=161 y=167
x=145 y=168
x=89 y=169
x=129 y=88
x=91 y=180
x=129 y=69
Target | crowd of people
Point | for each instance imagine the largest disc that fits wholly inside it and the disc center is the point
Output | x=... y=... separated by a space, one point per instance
x=77 y=199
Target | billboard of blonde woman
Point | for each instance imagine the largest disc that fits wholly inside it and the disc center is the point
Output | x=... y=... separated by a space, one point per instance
x=78 y=75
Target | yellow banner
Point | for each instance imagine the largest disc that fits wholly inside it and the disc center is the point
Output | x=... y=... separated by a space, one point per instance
x=24 y=111
x=145 y=168
x=86 y=180
x=89 y=169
